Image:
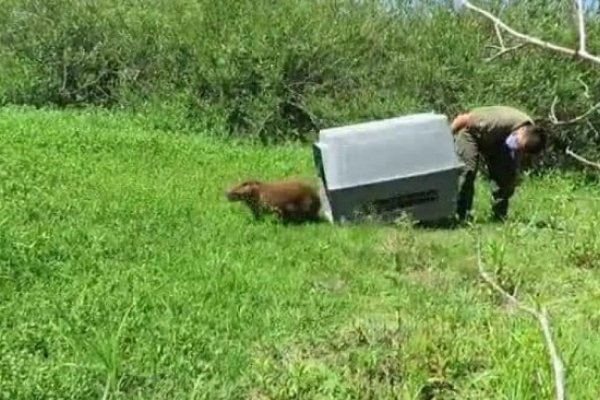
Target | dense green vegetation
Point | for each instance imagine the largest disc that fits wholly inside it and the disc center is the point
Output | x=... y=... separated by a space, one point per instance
x=273 y=70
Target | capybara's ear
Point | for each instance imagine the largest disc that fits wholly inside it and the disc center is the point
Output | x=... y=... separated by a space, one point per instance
x=250 y=182
x=250 y=186
x=243 y=189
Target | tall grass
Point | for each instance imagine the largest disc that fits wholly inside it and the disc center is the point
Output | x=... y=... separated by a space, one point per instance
x=125 y=274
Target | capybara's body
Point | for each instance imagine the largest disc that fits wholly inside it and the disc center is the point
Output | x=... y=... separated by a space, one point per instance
x=292 y=200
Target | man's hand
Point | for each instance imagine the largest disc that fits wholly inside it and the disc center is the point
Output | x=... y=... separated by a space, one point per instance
x=461 y=121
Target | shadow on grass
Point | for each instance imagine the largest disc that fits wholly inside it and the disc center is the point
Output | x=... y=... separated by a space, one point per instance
x=273 y=219
x=315 y=221
x=442 y=224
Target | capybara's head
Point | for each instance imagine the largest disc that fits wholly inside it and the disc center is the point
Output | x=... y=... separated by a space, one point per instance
x=243 y=191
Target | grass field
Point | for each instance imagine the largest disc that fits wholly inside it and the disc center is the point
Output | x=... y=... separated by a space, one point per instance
x=124 y=274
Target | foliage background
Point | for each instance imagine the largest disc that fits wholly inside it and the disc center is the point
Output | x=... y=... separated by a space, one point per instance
x=280 y=70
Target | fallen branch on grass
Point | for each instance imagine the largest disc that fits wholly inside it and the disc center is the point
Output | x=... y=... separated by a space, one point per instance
x=542 y=318
x=582 y=160
x=556 y=121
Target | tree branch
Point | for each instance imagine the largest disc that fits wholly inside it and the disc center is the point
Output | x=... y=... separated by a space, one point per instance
x=542 y=318
x=579 y=52
x=582 y=160
x=555 y=121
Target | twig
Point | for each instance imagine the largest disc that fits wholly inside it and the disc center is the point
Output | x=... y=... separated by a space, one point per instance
x=582 y=159
x=592 y=127
x=579 y=52
x=499 y=36
x=586 y=88
x=542 y=317
x=555 y=120
x=504 y=50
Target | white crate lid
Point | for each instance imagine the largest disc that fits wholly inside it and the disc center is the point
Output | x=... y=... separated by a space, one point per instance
x=387 y=149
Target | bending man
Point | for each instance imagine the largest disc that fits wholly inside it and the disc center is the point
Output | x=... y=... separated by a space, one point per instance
x=500 y=135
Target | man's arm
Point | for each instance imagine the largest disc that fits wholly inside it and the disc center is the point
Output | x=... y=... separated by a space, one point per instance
x=518 y=160
x=460 y=122
x=518 y=163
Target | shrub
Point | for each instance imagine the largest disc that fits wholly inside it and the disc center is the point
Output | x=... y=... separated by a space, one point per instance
x=282 y=70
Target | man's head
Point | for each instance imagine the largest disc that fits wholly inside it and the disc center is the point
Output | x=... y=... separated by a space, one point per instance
x=531 y=139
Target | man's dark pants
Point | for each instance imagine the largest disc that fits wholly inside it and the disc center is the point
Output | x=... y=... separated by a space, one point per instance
x=501 y=169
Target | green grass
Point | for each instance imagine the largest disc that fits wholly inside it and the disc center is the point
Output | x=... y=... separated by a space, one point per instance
x=125 y=274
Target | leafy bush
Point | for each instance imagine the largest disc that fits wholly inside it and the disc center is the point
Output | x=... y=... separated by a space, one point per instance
x=282 y=70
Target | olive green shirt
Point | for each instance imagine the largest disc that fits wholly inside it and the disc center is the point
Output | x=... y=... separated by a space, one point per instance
x=492 y=124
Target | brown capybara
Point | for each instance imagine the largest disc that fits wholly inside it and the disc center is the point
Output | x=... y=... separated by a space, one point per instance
x=291 y=200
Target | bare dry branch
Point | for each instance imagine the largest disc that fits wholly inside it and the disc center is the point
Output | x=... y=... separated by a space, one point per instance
x=582 y=159
x=580 y=25
x=543 y=320
x=556 y=121
x=579 y=52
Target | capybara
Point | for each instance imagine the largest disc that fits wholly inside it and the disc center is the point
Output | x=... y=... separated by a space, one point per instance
x=290 y=200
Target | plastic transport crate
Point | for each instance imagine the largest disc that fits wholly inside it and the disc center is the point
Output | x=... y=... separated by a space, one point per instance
x=387 y=167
